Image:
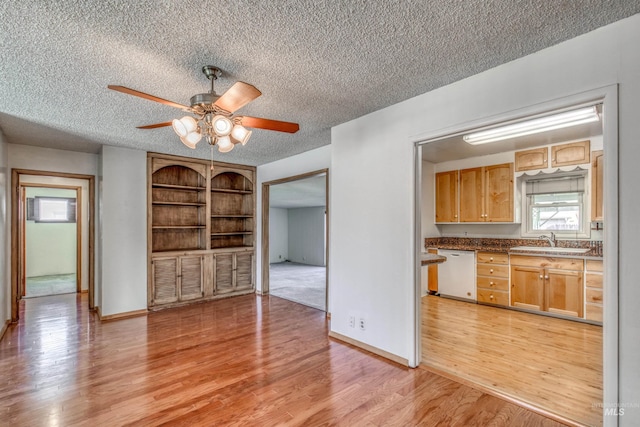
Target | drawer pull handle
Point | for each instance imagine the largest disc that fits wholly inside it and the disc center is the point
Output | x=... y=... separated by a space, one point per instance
x=491 y=271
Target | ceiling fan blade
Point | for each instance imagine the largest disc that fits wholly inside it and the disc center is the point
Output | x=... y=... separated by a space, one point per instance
x=268 y=124
x=148 y=97
x=154 y=126
x=237 y=96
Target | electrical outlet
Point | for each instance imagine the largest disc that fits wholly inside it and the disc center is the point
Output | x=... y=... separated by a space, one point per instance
x=352 y=321
x=362 y=324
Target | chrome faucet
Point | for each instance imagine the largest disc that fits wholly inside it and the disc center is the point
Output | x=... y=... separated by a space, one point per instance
x=551 y=239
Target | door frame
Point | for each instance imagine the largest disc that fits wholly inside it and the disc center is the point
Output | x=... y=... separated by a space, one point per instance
x=608 y=96
x=18 y=216
x=265 y=227
x=23 y=236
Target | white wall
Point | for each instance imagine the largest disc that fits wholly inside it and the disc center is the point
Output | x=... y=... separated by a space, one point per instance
x=307 y=235
x=278 y=235
x=123 y=221
x=310 y=161
x=50 y=247
x=5 y=240
x=371 y=216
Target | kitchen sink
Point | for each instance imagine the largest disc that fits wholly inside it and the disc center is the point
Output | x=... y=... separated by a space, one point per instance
x=550 y=249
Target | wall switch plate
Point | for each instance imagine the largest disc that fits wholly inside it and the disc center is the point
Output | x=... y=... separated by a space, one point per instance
x=352 y=321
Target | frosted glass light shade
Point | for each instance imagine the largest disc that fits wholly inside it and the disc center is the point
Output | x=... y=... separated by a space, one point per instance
x=191 y=139
x=240 y=134
x=184 y=126
x=222 y=125
x=224 y=144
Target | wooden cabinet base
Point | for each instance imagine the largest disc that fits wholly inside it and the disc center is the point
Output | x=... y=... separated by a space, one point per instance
x=209 y=298
x=493 y=297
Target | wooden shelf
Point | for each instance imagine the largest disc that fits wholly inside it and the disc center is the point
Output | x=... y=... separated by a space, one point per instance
x=233 y=233
x=228 y=190
x=179 y=187
x=179 y=227
x=157 y=203
x=231 y=216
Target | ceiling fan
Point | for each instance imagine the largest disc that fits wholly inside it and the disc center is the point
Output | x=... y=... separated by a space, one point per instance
x=214 y=119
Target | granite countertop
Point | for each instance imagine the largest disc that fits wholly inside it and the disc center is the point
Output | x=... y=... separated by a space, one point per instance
x=505 y=245
x=427 y=258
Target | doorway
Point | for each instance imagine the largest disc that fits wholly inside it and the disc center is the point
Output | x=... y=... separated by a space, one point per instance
x=51 y=241
x=53 y=262
x=499 y=336
x=294 y=246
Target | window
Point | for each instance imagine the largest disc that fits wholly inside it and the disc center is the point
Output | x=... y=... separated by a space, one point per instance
x=51 y=209
x=556 y=204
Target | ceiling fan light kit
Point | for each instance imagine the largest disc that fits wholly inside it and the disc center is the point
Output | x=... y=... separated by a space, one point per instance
x=214 y=115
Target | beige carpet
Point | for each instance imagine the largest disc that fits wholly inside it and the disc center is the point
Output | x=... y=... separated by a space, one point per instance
x=304 y=284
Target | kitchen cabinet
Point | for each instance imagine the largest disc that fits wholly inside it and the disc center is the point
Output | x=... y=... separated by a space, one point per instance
x=574 y=153
x=447 y=196
x=492 y=278
x=597 y=180
x=486 y=194
x=432 y=275
x=531 y=159
x=593 y=290
x=554 y=285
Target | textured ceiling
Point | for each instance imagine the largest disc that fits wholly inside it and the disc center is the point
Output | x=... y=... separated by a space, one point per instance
x=317 y=63
x=302 y=193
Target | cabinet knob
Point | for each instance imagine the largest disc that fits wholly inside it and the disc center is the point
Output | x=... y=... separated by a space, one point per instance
x=541 y=276
x=491 y=296
x=491 y=259
x=546 y=277
x=491 y=271
x=490 y=283
x=455 y=216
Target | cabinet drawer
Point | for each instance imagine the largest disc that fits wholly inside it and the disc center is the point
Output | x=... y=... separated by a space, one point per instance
x=493 y=258
x=594 y=280
x=594 y=296
x=594 y=312
x=493 y=297
x=573 y=264
x=594 y=265
x=493 y=270
x=493 y=283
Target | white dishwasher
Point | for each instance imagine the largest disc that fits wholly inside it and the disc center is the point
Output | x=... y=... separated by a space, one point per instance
x=457 y=275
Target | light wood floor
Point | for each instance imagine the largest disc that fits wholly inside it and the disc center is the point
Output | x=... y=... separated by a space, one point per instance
x=243 y=361
x=551 y=363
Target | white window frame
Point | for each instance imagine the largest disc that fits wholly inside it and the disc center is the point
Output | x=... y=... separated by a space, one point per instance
x=585 y=226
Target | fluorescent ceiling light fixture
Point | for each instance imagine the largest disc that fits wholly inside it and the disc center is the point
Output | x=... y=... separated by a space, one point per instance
x=529 y=127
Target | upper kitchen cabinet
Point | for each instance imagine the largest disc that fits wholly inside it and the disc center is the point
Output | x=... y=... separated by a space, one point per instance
x=447 y=196
x=486 y=194
x=531 y=159
x=597 y=165
x=574 y=153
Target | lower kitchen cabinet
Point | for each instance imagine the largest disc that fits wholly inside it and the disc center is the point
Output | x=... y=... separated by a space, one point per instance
x=593 y=291
x=176 y=278
x=548 y=284
x=492 y=278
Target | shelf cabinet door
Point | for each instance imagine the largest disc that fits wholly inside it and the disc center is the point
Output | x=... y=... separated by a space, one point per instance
x=564 y=292
x=244 y=270
x=447 y=196
x=223 y=273
x=165 y=280
x=472 y=195
x=527 y=287
x=191 y=277
x=498 y=194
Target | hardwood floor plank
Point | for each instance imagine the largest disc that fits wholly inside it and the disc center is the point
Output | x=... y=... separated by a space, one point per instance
x=550 y=363
x=247 y=360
